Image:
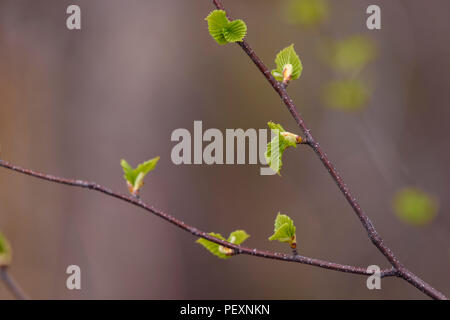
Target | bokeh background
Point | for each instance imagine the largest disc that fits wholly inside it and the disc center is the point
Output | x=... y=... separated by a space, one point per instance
x=73 y=103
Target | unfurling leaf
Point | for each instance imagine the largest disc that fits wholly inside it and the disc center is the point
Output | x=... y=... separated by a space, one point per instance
x=279 y=143
x=284 y=230
x=415 y=207
x=237 y=237
x=223 y=30
x=307 y=12
x=217 y=21
x=289 y=66
x=214 y=247
x=135 y=177
x=235 y=31
x=5 y=252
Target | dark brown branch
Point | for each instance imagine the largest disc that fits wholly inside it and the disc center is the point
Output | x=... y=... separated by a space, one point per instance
x=182 y=225
x=12 y=285
x=367 y=224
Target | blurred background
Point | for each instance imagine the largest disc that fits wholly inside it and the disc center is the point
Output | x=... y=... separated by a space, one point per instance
x=73 y=103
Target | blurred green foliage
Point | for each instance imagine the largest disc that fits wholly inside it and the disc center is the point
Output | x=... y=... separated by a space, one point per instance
x=306 y=12
x=351 y=54
x=347 y=95
x=347 y=56
x=5 y=251
x=415 y=207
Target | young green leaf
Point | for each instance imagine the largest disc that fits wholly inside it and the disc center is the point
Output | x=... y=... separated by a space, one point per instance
x=235 y=31
x=223 y=30
x=217 y=21
x=5 y=252
x=236 y=237
x=284 y=230
x=214 y=247
x=135 y=177
x=289 y=66
x=279 y=143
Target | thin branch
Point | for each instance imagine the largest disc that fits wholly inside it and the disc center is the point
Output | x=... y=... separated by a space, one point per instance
x=398 y=269
x=367 y=224
x=196 y=232
x=12 y=285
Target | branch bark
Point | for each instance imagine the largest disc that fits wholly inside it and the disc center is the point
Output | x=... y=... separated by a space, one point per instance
x=194 y=231
x=12 y=285
x=376 y=239
x=397 y=269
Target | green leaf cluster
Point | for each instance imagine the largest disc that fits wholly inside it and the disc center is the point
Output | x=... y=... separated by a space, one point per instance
x=415 y=207
x=236 y=237
x=284 y=230
x=135 y=177
x=5 y=251
x=279 y=143
x=289 y=67
x=223 y=30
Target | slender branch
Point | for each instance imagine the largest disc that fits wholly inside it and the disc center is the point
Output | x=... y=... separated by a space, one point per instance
x=196 y=232
x=12 y=285
x=398 y=269
x=366 y=222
